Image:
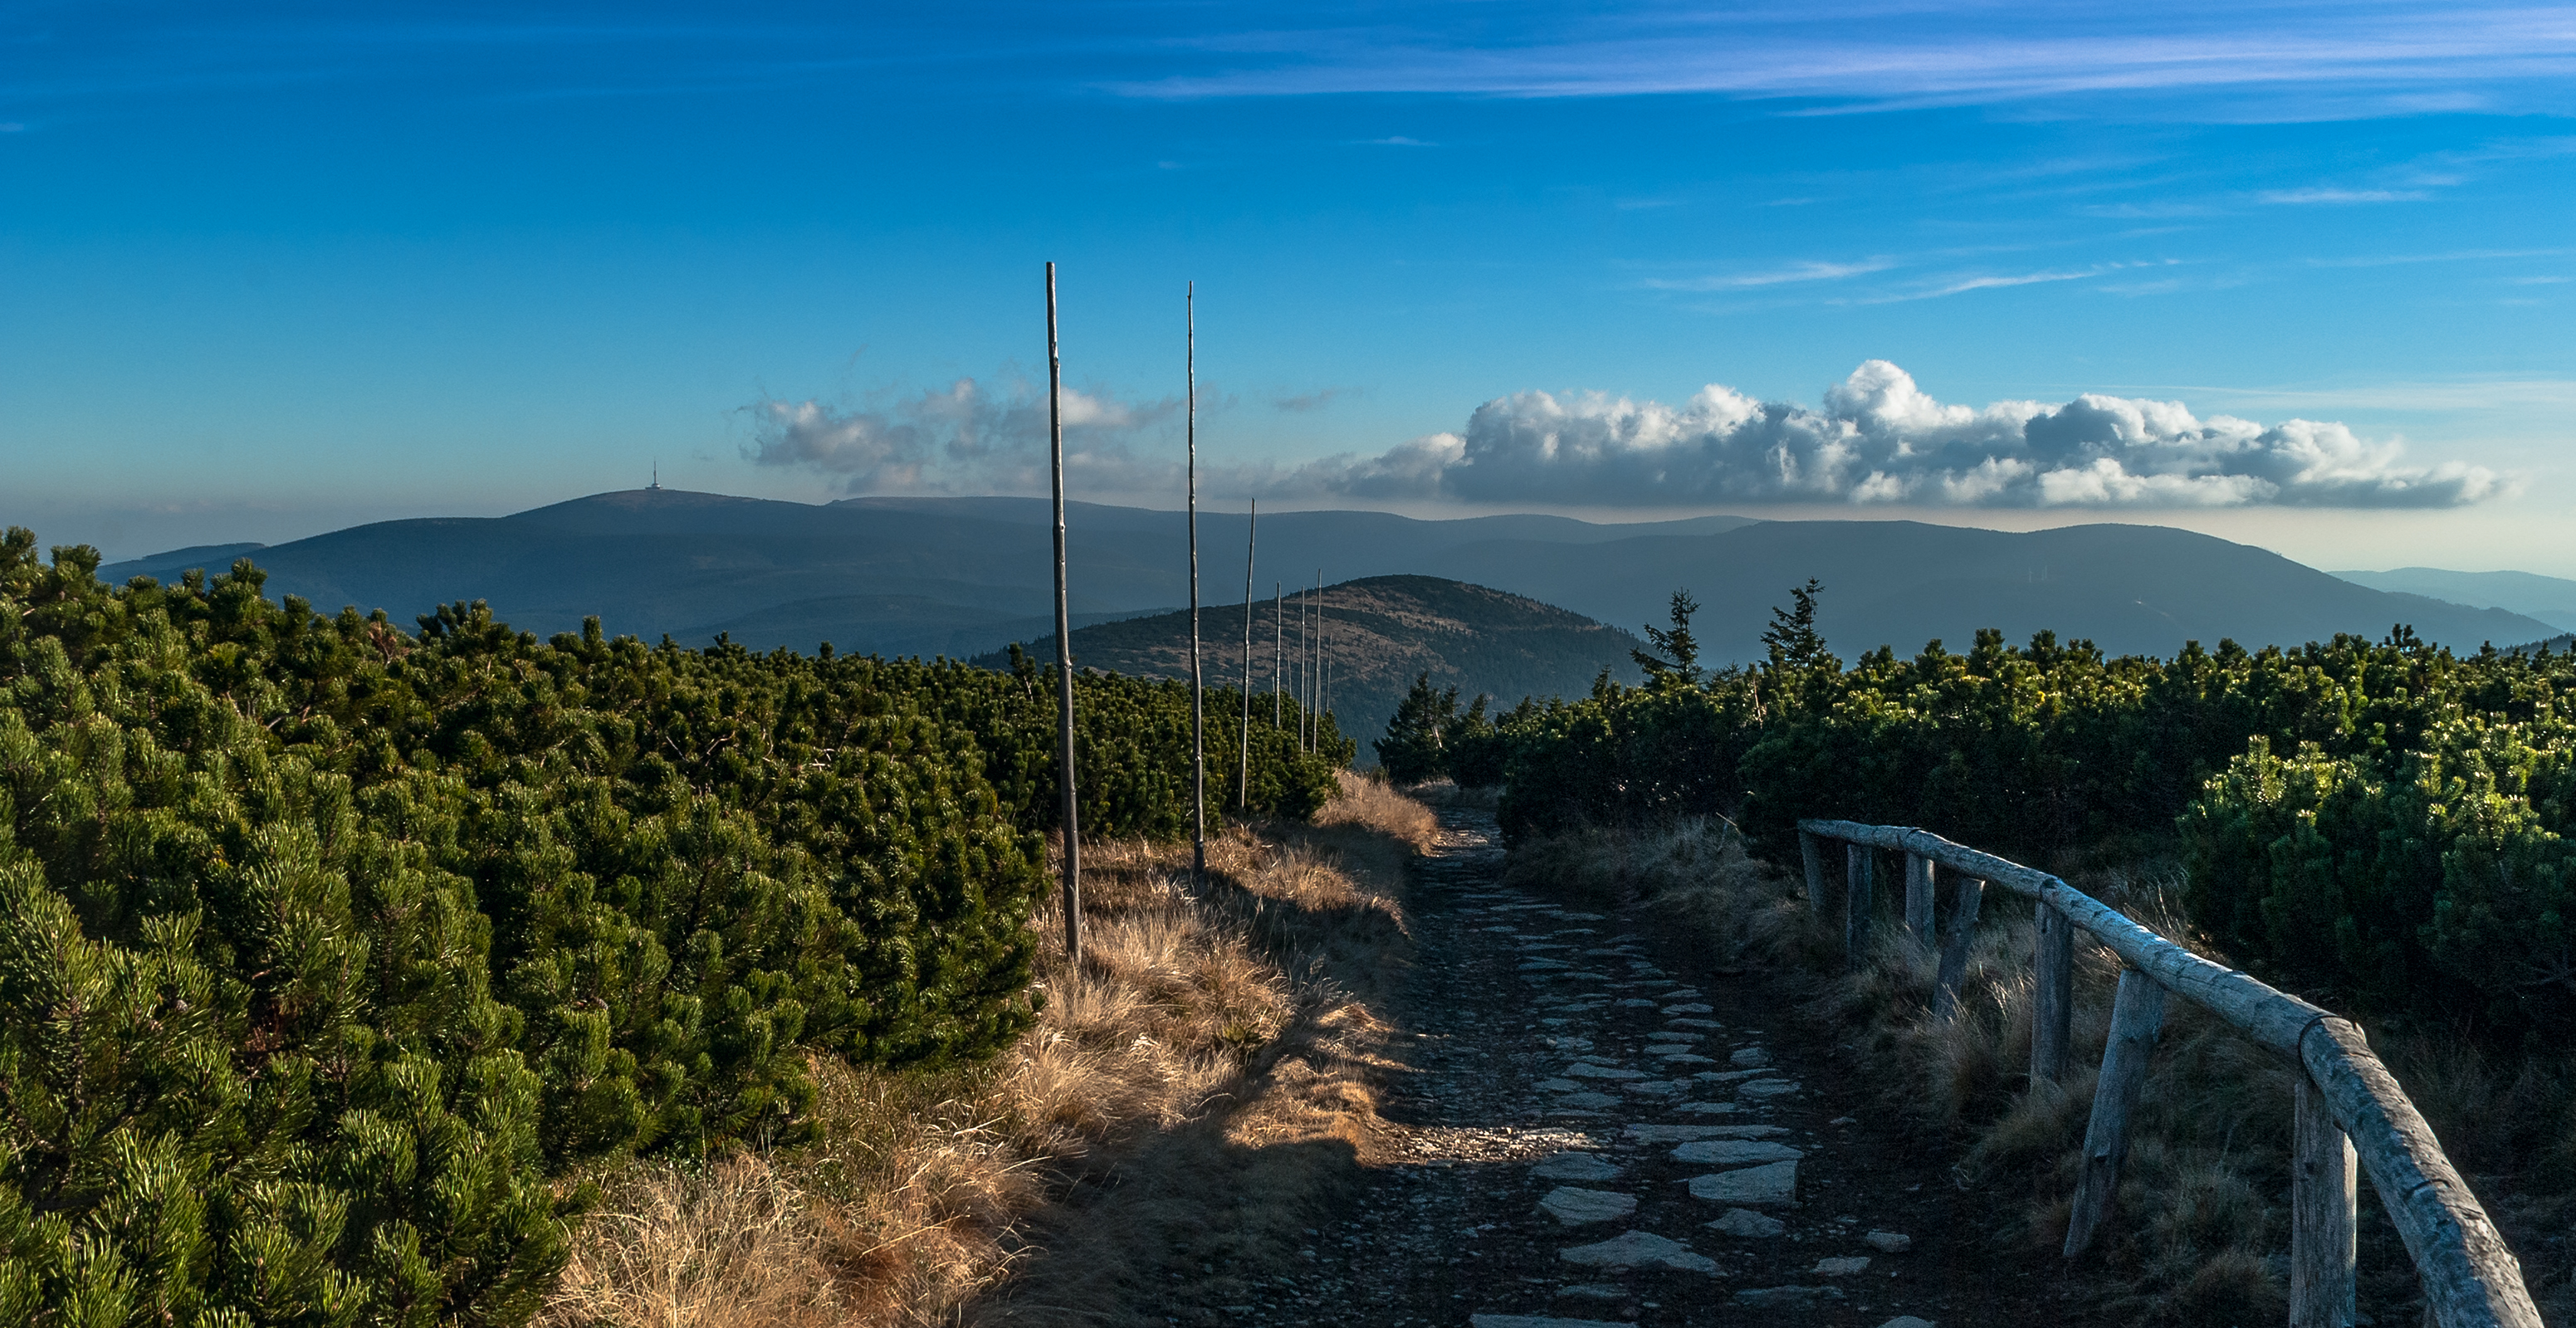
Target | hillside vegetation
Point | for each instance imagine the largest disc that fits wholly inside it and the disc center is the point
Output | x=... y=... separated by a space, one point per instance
x=963 y=576
x=1379 y=634
x=332 y=950
x=2382 y=826
x=2381 y=823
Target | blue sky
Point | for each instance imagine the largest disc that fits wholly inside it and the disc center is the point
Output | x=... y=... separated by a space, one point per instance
x=272 y=270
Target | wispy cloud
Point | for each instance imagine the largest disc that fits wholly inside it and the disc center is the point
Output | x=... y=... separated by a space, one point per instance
x=2322 y=195
x=1307 y=402
x=1873 y=55
x=1399 y=141
x=1794 y=272
x=2447 y=256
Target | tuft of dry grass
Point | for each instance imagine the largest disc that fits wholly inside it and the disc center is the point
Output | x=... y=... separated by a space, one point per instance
x=2200 y=1234
x=1193 y=1090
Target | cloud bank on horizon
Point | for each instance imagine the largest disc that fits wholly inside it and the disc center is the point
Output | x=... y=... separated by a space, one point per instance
x=1878 y=439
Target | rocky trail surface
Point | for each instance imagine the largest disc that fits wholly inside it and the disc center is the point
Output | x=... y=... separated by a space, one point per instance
x=1590 y=1132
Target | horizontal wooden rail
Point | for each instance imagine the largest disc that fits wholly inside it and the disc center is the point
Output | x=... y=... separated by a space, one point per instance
x=2470 y=1278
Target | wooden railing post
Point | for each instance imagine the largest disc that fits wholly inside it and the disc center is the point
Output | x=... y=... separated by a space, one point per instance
x=2137 y=1015
x=1811 y=853
x=1856 y=902
x=1918 y=899
x=1954 y=955
x=2325 y=1188
x=2053 y=1012
x=2468 y=1273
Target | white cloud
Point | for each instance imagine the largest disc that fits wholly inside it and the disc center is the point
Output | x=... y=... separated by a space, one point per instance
x=968 y=437
x=1880 y=439
x=2312 y=196
x=1802 y=271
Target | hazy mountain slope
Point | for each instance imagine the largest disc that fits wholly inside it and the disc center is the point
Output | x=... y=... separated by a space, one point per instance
x=2143 y=589
x=866 y=574
x=1379 y=634
x=212 y=559
x=2548 y=598
x=966 y=575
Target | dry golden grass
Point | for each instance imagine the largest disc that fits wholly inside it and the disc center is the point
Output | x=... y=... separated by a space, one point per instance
x=1190 y=1094
x=2201 y=1230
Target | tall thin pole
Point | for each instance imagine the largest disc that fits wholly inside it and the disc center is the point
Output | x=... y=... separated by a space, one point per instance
x=1278 y=651
x=1323 y=659
x=1243 y=773
x=1305 y=656
x=1198 y=682
x=1315 y=670
x=1063 y=647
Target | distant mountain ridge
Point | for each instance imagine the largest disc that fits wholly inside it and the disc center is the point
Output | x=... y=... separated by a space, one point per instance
x=964 y=576
x=1379 y=634
x=2550 y=599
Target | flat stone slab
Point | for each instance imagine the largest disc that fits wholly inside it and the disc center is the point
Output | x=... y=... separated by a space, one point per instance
x=1652 y=1088
x=1736 y=1152
x=1638 y=1003
x=1747 y=1223
x=1670 y=1036
x=1732 y=1076
x=1785 y=1297
x=1693 y=1008
x=1906 y=1321
x=1766 y=1088
x=1587 y=1070
x=1595 y=1291
x=1694 y=1023
x=1675 y=1134
x=1750 y=1056
x=1710 y=1108
x=1682 y=1056
x=1536 y=1321
x=1576 y=1207
x=1842 y=1265
x=1587 y=1101
x=1559 y=1086
x=1888 y=1242
x=1576 y=1166
x=1635 y=1249
x=1771 y=1185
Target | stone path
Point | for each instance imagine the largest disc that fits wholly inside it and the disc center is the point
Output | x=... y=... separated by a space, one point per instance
x=1594 y=1138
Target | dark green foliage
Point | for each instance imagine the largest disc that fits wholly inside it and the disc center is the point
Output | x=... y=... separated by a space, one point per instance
x=1416 y=744
x=323 y=944
x=2410 y=855
x=1675 y=641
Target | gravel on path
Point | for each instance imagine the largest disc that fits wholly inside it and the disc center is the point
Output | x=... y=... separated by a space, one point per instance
x=1587 y=1131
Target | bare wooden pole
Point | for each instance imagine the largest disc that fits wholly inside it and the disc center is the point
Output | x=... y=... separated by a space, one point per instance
x=2053 y=1012
x=1323 y=658
x=1198 y=680
x=1305 y=660
x=1811 y=855
x=1954 y=953
x=2137 y=1016
x=1243 y=771
x=1918 y=899
x=1063 y=646
x=2325 y=1193
x=2469 y=1276
x=1857 y=889
x=1315 y=671
x=1278 y=651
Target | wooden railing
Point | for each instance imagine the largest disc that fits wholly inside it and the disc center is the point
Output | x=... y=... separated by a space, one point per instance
x=2348 y=1103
